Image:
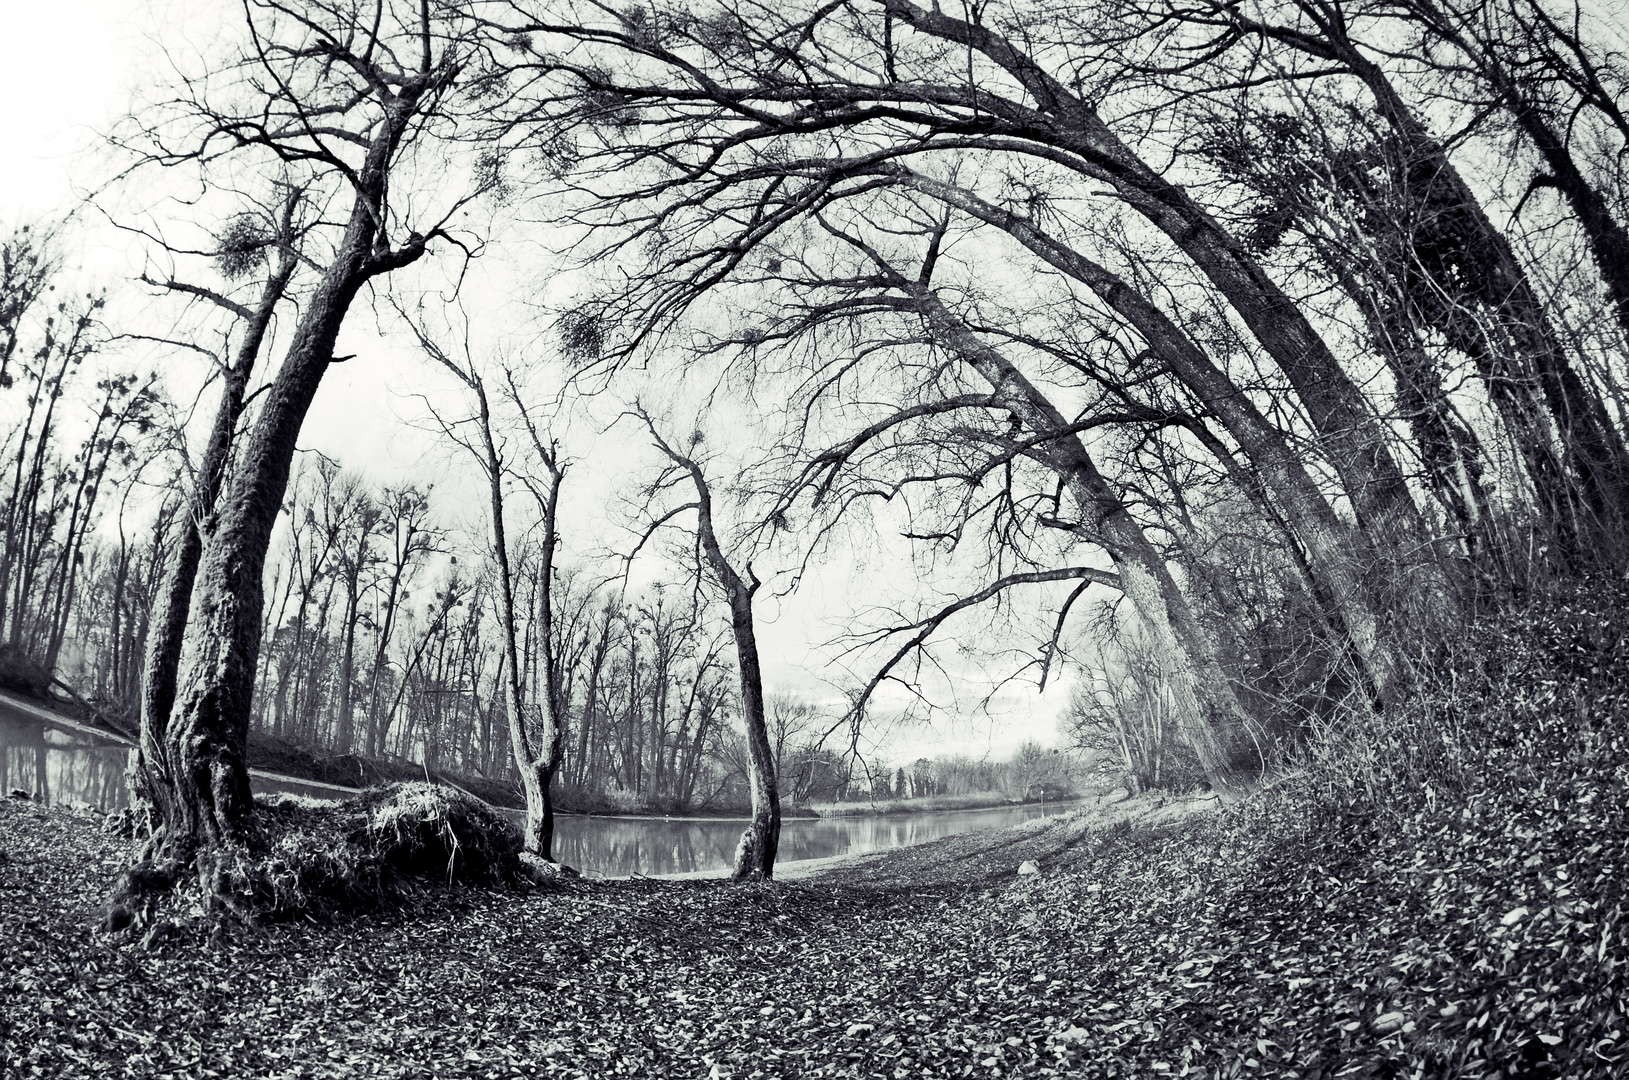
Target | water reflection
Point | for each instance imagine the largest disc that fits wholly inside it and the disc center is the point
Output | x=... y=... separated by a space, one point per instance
x=60 y=765
x=618 y=847
x=63 y=764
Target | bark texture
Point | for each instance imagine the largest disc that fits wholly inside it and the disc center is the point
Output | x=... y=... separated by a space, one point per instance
x=151 y=781
x=203 y=772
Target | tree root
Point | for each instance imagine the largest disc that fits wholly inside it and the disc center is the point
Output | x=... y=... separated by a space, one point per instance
x=318 y=859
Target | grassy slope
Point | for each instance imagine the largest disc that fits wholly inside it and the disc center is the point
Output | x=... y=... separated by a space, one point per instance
x=1446 y=903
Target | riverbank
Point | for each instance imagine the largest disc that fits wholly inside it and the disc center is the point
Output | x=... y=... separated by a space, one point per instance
x=296 y=766
x=911 y=961
x=1440 y=895
x=939 y=804
x=913 y=864
x=1277 y=938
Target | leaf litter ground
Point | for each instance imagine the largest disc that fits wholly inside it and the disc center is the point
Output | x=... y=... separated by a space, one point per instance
x=1471 y=928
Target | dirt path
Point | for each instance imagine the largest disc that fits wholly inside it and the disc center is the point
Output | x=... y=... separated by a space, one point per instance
x=969 y=858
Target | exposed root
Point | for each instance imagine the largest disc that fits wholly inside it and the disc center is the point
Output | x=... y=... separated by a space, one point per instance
x=320 y=859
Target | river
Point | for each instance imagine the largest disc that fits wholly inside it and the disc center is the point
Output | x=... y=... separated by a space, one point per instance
x=60 y=762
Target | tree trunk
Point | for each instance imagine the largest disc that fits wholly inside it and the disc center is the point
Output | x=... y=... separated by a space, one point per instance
x=151 y=778
x=1213 y=722
x=402 y=502
x=345 y=724
x=1536 y=47
x=1461 y=244
x=537 y=765
x=580 y=769
x=1335 y=553
x=208 y=731
x=1351 y=436
x=1592 y=448
x=1608 y=240
x=204 y=744
x=760 y=843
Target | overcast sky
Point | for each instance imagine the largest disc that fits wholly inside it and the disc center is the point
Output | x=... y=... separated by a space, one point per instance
x=68 y=68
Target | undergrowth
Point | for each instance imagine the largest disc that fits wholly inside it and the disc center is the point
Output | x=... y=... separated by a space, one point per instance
x=1439 y=894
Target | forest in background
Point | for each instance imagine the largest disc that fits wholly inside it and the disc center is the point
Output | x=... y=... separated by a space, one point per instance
x=379 y=644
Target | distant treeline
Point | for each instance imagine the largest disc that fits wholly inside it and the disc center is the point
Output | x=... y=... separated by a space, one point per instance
x=378 y=637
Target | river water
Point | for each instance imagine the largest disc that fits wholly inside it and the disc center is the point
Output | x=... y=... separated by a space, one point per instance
x=59 y=762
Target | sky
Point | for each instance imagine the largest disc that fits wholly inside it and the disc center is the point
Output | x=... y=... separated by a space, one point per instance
x=70 y=68
x=66 y=70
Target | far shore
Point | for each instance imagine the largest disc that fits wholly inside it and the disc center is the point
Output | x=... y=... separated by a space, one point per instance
x=289 y=774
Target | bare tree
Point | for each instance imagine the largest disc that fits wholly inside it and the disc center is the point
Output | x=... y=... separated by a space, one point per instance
x=1549 y=68
x=729 y=161
x=792 y=722
x=755 y=855
x=342 y=96
x=723 y=162
x=356 y=558
x=410 y=540
x=1461 y=255
x=28 y=262
x=538 y=756
x=34 y=497
x=1125 y=707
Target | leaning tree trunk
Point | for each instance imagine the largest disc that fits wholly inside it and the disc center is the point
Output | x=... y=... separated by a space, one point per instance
x=1213 y=722
x=151 y=777
x=1334 y=552
x=209 y=726
x=1350 y=435
x=204 y=775
x=1592 y=448
x=1463 y=244
x=760 y=843
x=1608 y=239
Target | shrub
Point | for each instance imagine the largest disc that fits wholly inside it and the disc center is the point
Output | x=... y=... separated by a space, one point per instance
x=22 y=674
x=1525 y=699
